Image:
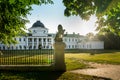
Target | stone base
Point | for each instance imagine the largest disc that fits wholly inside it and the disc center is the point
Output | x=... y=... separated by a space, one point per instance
x=59 y=48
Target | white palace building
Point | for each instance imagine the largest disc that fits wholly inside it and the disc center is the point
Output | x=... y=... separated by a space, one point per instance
x=39 y=38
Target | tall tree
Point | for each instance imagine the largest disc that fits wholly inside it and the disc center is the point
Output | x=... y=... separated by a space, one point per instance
x=111 y=40
x=13 y=17
x=107 y=12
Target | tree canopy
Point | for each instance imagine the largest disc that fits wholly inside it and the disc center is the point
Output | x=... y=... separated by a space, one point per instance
x=111 y=41
x=107 y=12
x=13 y=14
x=13 y=17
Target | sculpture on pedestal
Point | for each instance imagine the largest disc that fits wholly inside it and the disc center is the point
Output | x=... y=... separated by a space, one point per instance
x=59 y=48
x=60 y=34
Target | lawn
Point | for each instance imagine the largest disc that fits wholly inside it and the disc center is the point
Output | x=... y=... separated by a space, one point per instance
x=73 y=61
x=108 y=57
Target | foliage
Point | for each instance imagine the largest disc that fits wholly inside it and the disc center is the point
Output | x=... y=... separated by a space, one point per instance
x=111 y=40
x=13 y=17
x=107 y=12
x=90 y=35
x=111 y=21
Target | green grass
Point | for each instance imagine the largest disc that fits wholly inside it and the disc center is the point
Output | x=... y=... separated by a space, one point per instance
x=104 y=57
x=72 y=64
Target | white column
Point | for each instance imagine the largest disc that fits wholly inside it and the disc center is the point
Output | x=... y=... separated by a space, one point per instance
x=32 y=43
x=46 y=43
x=42 y=42
x=26 y=43
x=37 y=44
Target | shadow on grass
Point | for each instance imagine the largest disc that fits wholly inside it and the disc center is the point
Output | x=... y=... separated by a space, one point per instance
x=46 y=75
x=30 y=75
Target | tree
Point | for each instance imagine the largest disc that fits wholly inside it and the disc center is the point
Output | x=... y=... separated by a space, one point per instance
x=90 y=35
x=107 y=12
x=13 y=17
x=111 y=40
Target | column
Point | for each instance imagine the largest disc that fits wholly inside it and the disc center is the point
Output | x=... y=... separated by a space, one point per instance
x=26 y=43
x=32 y=43
x=37 y=44
x=42 y=42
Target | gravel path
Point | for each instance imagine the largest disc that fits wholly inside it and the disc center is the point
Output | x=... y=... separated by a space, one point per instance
x=101 y=70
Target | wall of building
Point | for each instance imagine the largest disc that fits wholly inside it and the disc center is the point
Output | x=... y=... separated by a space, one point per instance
x=91 y=45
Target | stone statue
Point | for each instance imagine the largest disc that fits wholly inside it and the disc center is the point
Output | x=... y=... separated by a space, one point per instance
x=59 y=35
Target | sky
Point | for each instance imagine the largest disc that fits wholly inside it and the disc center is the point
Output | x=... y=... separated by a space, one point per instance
x=51 y=15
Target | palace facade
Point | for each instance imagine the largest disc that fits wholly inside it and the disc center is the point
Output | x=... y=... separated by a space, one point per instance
x=39 y=38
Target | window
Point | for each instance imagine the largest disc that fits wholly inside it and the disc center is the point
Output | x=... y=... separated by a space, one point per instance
x=30 y=47
x=29 y=39
x=75 y=46
x=34 y=31
x=90 y=46
x=83 y=46
x=35 y=39
x=44 y=31
x=24 y=39
x=69 y=39
x=69 y=46
x=47 y=46
x=16 y=47
x=24 y=47
x=44 y=47
x=44 y=39
x=73 y=39
x=34 y=47
x=11 y=47
x=20 y=47
x=19 y=39
x=3 y=47
x=80 y=46
x=72 y=46
x=49 y=40
x=39 y=39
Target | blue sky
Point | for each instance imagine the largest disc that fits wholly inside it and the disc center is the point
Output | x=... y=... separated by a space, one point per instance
x=51 y=15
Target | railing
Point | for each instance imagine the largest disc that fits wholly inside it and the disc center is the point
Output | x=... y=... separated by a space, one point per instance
x=26 y=57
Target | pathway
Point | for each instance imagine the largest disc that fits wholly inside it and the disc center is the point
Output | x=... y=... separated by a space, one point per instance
x=101 y=70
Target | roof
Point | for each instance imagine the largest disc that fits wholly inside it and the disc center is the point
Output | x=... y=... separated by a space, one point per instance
x=38 y=24
x=72 y=35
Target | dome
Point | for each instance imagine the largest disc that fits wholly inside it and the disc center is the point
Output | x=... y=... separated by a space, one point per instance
x=38 y=24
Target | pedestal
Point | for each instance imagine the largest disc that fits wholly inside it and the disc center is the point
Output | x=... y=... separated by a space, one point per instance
x=59 y=48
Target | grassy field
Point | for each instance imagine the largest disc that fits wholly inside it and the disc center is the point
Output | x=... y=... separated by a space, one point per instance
x=108 y=57
x=73 y=61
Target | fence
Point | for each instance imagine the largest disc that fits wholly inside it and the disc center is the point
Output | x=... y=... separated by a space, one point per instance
x=26 y=57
